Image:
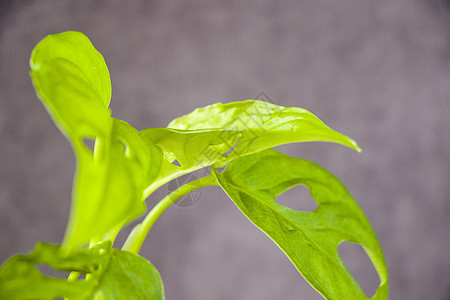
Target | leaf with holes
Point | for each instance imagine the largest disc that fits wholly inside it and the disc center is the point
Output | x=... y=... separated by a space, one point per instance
x=207 y=135
x=72 y=81
x=192 y=149
x=309 y=239
x=111 y=274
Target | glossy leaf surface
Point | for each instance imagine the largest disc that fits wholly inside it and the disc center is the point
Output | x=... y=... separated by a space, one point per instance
x=309 y=239
x=261 y=124
x=72 y=81
x=193 y=149
x=75 y=51
x=113 y=274
x=219 y=133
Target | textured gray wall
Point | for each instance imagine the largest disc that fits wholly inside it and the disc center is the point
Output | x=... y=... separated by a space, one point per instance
x=376 y=70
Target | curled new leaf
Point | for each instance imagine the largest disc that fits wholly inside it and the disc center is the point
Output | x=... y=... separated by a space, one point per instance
x=85 y=64
x=309 y=239
x=109 y=186
x=112 y=274
x=72 y=80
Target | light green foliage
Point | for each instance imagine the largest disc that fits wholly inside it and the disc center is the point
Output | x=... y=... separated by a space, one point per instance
x=261 y=125
x=129 y=276
x=309 y=239
x=206 y=135
x=111 y=273
x=72 y=80
x=113 y=179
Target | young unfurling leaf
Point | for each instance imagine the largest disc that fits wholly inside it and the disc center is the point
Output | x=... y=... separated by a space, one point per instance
x=72 y=80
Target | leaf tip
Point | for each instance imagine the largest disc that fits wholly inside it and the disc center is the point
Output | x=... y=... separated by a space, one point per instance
x=356 y=147
x=352 y=144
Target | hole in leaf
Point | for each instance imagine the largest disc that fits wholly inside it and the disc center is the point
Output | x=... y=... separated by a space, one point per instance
x=90 y=143
x=231 y=149
x=297 y=198
x=171 y=158
x=49 y=271
x=220 y=170
x=126 y=149
x=360 y=267
x=176 y=163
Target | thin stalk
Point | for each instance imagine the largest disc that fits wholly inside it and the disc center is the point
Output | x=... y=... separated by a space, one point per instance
x=73 y=276
x=140 y=231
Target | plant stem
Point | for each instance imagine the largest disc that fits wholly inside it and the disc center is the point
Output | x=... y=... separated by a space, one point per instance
x=73 y=276
x=140 y=231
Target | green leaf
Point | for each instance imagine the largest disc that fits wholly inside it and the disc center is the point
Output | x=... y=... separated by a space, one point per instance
x=130 y=276
x=262 y=125
x=77 y=52
x=192 y=149
x=72 y=81
x=309 y=239
x=109 y=186
x=205 y=136
x=111 y=274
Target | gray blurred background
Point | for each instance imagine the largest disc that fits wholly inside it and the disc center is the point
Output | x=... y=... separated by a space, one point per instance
x=377 y=71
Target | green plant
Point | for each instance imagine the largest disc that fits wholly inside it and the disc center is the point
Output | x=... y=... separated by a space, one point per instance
x=126 y=166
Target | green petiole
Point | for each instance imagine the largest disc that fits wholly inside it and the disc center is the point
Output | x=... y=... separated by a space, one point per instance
x=139 y=233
